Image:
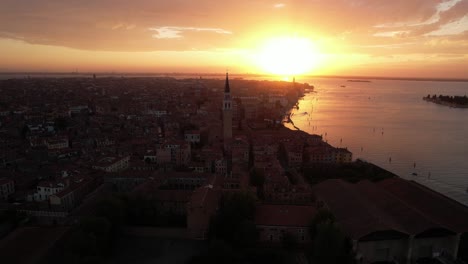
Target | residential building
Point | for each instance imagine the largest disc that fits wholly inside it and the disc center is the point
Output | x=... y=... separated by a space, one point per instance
x=72 y=195
x=112 y=164
x=343 y=155
x=180 y=152
x=7 y=188
x=240 y=150
x=57 y=143
x=45 y=189
x=274 y=222
x=192 y=136
x=293 y=151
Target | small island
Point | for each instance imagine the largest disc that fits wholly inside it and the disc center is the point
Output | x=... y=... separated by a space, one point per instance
x=452 y=101
x=359 y=81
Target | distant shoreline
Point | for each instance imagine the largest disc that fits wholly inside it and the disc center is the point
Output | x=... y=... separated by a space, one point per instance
x=353 y=80
x=446 y=101
x=245 y=75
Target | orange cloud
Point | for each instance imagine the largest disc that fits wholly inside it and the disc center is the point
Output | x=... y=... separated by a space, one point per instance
x=347 y=28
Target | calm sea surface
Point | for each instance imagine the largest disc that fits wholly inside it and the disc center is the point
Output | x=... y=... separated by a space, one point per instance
x=387 y=123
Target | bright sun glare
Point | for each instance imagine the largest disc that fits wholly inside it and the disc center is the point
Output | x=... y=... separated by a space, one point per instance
x=288 y=56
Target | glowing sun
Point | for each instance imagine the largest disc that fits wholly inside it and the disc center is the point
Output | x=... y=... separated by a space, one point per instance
x=288 y=56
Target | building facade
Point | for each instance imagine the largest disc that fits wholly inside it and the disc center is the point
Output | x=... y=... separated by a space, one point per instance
x=7 y=188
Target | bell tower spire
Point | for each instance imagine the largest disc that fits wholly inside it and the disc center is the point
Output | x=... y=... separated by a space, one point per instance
x=226 y=85
x=227 y=112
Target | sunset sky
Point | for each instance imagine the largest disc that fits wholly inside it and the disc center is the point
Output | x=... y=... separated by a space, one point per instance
x=408 y=38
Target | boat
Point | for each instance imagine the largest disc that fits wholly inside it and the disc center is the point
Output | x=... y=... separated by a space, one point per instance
x=414 y=174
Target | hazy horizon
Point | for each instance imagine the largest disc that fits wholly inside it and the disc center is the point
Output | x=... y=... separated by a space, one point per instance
x=299 y=78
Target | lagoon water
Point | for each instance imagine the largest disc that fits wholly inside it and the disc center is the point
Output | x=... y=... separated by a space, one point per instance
x=386 y=122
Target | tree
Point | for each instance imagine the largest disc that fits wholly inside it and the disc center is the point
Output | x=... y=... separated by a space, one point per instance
x=257 y=179
x=113 y=210
x=100 y=228
x=330 y=245
x=24 y=131
x=61 y=123
x=234 y=220
x=80 y=246
x=289 y=241
x=323 y=216
x=141 y=211
x=246 y=234
x=88 y=241
x=240 y=205
x=218 y=252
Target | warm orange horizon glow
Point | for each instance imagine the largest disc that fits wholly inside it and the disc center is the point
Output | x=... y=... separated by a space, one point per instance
x=428 y=38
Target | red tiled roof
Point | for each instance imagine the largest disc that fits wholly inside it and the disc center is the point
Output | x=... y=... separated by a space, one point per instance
x=354 y=213
x=183 y=175
x=407 y=219
x=284 y=215
x=129 y=174
x=146 y=188
x=433 y=205
x=172 y=195
x=392 y=204
x=74 y=186
x=51 y=184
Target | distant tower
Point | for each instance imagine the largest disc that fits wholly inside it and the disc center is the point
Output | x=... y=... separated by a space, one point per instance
x=227 y=112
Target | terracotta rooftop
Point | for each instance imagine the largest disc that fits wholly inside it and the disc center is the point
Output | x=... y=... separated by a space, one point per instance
x=76 y=184
x=433 y=205
x=172 y=195
x=284 y=215
x=354 y=213
x=390 y=205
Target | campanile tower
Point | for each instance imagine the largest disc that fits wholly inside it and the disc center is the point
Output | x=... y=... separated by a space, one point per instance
x=227 y=112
